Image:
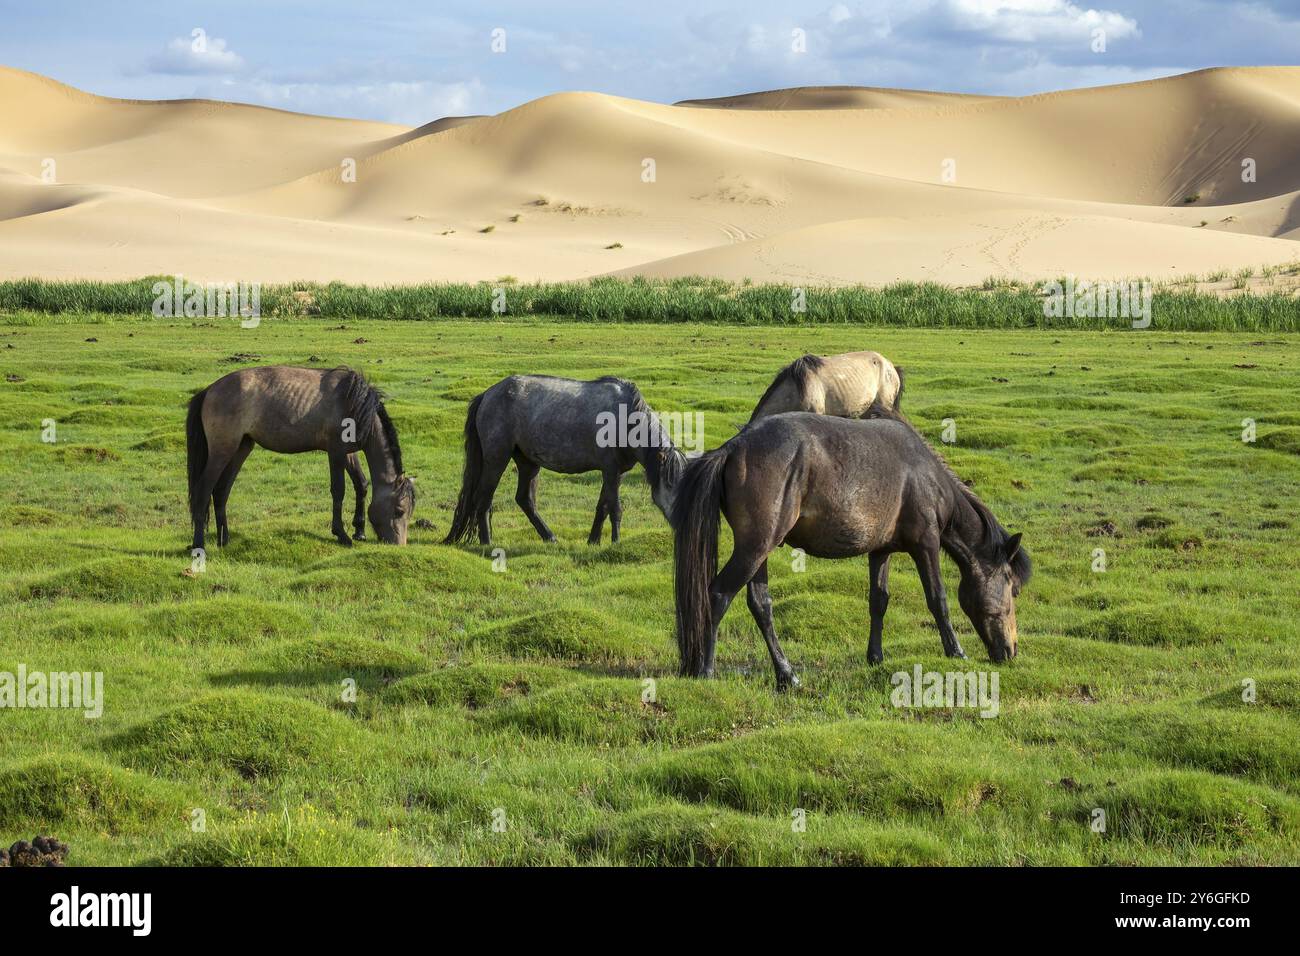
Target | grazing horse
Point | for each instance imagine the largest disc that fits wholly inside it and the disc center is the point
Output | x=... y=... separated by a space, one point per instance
x=837 y=488
x=844 y=385
x=293 y=410
x=565 y=426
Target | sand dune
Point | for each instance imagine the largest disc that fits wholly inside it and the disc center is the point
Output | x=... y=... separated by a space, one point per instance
x=815 y=185
x=832 y=98
x=186 y=148
x=1010 y=242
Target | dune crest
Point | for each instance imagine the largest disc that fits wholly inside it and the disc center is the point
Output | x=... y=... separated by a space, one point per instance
x=832 y=98
x=1164 y=178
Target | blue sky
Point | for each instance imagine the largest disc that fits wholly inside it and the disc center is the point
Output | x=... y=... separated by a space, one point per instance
x=410 y=62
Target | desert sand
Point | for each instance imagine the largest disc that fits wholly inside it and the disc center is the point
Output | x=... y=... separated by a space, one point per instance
x=826 y=185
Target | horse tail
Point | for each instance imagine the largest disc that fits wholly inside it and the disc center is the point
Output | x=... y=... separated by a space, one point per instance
x=696 y=515
x=196 y=454
x=898 y=395
x=462 y=523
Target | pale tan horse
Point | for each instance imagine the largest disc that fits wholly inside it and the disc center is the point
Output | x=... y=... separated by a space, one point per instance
x=843 y=385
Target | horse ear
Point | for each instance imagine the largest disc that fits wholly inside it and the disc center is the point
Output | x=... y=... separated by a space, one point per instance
x=1012 y=546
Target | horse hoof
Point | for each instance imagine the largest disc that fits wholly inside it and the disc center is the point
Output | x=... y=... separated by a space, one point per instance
x=875 y=658
x=789 y=682
x=344 y=540
x=359 y=536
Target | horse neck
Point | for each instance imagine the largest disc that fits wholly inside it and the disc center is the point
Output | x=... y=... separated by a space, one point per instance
x=383 y=469
x=963 y=538
x=648 y=457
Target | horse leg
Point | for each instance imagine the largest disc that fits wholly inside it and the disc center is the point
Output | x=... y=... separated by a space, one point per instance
x=760 y=605
x=615 y=506
x=605 y=505
x=927 y=563
x=879 y=601
x=218 y=459
x=753 y=540
x=493 y=469
x=359 y=485
x=338 y=464
x=735 y=574
x=599 y=523
x=221 y=494
x=526 y=496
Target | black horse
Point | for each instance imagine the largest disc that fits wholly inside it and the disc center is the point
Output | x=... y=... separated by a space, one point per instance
x=837 y=488
x=567 y=426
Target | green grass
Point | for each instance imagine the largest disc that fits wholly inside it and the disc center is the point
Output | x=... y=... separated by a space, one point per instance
x=996 y=304
x=517 y=697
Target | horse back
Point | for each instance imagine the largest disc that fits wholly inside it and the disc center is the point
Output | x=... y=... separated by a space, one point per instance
x=555 y=421
x=851 y=382
x=855 y=486
x=281 y=408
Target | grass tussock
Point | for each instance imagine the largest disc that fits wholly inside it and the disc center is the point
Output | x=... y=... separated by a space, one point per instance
x=238 y=731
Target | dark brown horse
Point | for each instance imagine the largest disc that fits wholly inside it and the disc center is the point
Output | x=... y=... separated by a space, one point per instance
x=294 y=410
x=837 y=488
x=566 y=426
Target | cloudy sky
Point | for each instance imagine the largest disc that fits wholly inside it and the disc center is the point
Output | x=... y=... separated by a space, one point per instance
x=410 y=62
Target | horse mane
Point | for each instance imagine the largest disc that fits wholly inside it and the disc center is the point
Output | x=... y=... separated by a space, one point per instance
x=365 y=405
x=799 y=372
x=994 y=537
x=660 y=470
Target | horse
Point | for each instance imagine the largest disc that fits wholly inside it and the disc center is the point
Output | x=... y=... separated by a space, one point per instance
x=842 y=385
x=293 y=410
x=837 y=488
x=566 y=426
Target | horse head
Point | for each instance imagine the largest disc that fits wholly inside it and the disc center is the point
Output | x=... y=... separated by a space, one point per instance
x=988 y=593
x=391 y=508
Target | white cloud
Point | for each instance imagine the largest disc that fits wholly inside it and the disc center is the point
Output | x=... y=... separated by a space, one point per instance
x=1037 y=21
x=199 y=54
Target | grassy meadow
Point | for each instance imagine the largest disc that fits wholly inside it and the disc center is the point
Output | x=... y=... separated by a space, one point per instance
x=499 y=715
